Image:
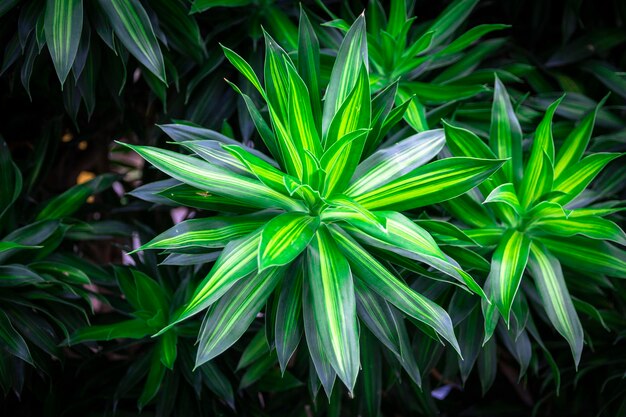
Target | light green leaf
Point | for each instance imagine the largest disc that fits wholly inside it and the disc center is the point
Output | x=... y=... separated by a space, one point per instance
x=505 y=134
x=505 y=194
x=212 y=232
x=228 y=320
x=309 y=65
x=395 y=161
x=538 y=174
x=430 y=184
x=576 y=142
x=546 y=270
x=351 y=56
x=238 y=260
x=63 y=26
x=392 y=289
x=332 y=291
x=507 y=267
x=285 y=237
x=593 y=227
x=214 y=179
x=577 y=177
x=450 y=19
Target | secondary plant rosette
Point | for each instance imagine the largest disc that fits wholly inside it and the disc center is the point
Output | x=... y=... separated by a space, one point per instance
x=304 y=224
x=538 y=216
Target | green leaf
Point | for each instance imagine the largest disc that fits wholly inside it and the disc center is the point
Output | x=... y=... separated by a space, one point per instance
x=244 y=68
x=288 y=329
x=15 y=275
x=451 y=18
x=340 y=160
x=546 y=270
x=63 y=27
x=430 y=184
x=505 y=134
x=470 y=37
x=133 y=28
x=10 y=179
x=404 y=237
x=186 y=195
x=62 y=271
x=577 y=177
x=256 y=349
x=576 y=142
x=505 y=194
x=12 y=340
x=212 y=232
x=319 y=357
x=168 y=349
x=351 y=56
x=593 y=227
x=334 y=308
x=309 y=66
x=153 y=381
x=392 y=289
x=238 y=260
x=214 y=179
x=588 y=255
x=388 y=326
x=285 y=237
x=507 y=267
x=203 y=5
x=129 y=329
x=227 y=320
x=395 y=161
x=538 y=174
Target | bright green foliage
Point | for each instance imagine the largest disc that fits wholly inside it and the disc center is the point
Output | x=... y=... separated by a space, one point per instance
x=404 y=51
x=540 y=217
x=325 y=200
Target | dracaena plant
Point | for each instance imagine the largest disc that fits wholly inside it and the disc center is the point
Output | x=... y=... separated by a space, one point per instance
x=428 y=62
x=83 y=36
x=537 y=217
x=42 y=293
x=315 y=213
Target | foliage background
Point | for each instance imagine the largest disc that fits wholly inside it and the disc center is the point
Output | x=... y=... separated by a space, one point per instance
x=563 y=46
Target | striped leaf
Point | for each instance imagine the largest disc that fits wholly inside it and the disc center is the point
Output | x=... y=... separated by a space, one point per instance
x=319 y=357
x=309 y=66
x=207 y=177
x=351 y=56
x=430 y=184
x=463 y=142
x=507 y=267
x=354 y=113
x=405 y=238
x=265 y=172
x=334 y=308
x=392 y=289
x=133 y=28
x=63 y=26
x=546 y=270
x=238 y=260
x=577 y=177
x=388 y=327
x=505 y=194
x=288 y=330
x=505 y=134
x=576 y=142
x=302 y=127
x=188 y=196
x=588 y=255
x=285 y=237
x=592 y=227
x=228 y=320
x=538 y=174
x=340 y=160
x=212 y=232
x=450 y=19
x=212 y=152
x=397 y=160
x=244 y=68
